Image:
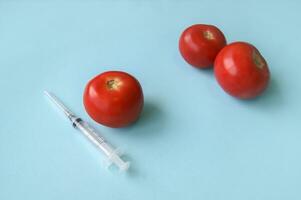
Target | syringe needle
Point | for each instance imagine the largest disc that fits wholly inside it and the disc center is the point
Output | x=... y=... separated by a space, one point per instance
x=59 y=104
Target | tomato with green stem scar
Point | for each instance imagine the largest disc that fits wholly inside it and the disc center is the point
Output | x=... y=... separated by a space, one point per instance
x=241 y=70
x=200 y=43
x=114 y=99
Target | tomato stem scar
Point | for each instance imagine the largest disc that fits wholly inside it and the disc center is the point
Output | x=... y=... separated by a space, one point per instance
x=258 y=60
x=113 y=84
x=208 y=35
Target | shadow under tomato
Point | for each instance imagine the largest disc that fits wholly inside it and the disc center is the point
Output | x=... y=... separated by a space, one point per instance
x=208 y=71
x=150 y=122
x=271 y=99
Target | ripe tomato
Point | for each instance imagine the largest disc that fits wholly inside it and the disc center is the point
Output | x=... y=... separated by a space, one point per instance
x=241 y=70
x=199 y=44
x=114 y=99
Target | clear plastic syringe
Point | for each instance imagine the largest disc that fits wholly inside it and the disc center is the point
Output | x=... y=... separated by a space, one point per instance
x=111 y=153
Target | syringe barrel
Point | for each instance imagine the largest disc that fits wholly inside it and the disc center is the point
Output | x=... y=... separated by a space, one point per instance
x=99 y=142
x=91 y=134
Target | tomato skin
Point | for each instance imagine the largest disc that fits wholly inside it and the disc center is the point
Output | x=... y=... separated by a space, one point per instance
x=199 y=44
x=114 y=99
x=241 y=70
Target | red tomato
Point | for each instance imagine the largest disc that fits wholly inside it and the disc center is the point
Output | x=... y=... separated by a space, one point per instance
x=114 y=99
x=241 y=70
x=199 y=44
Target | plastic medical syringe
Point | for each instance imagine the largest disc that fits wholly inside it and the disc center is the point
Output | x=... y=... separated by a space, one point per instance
x=112 y=154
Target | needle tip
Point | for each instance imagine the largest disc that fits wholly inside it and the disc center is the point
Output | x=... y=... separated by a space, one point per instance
x=46 y=93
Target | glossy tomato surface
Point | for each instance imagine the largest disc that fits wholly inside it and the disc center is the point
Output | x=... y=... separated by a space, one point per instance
x=114 y=99
x=241 y=70
x=199 y=44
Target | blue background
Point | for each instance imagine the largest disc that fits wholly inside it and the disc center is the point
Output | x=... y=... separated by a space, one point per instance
x=193 y=141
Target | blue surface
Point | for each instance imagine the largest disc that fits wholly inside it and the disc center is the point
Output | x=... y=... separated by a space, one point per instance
x=193 y=141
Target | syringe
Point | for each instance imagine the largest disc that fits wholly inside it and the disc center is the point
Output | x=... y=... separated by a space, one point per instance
x=111 y=153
